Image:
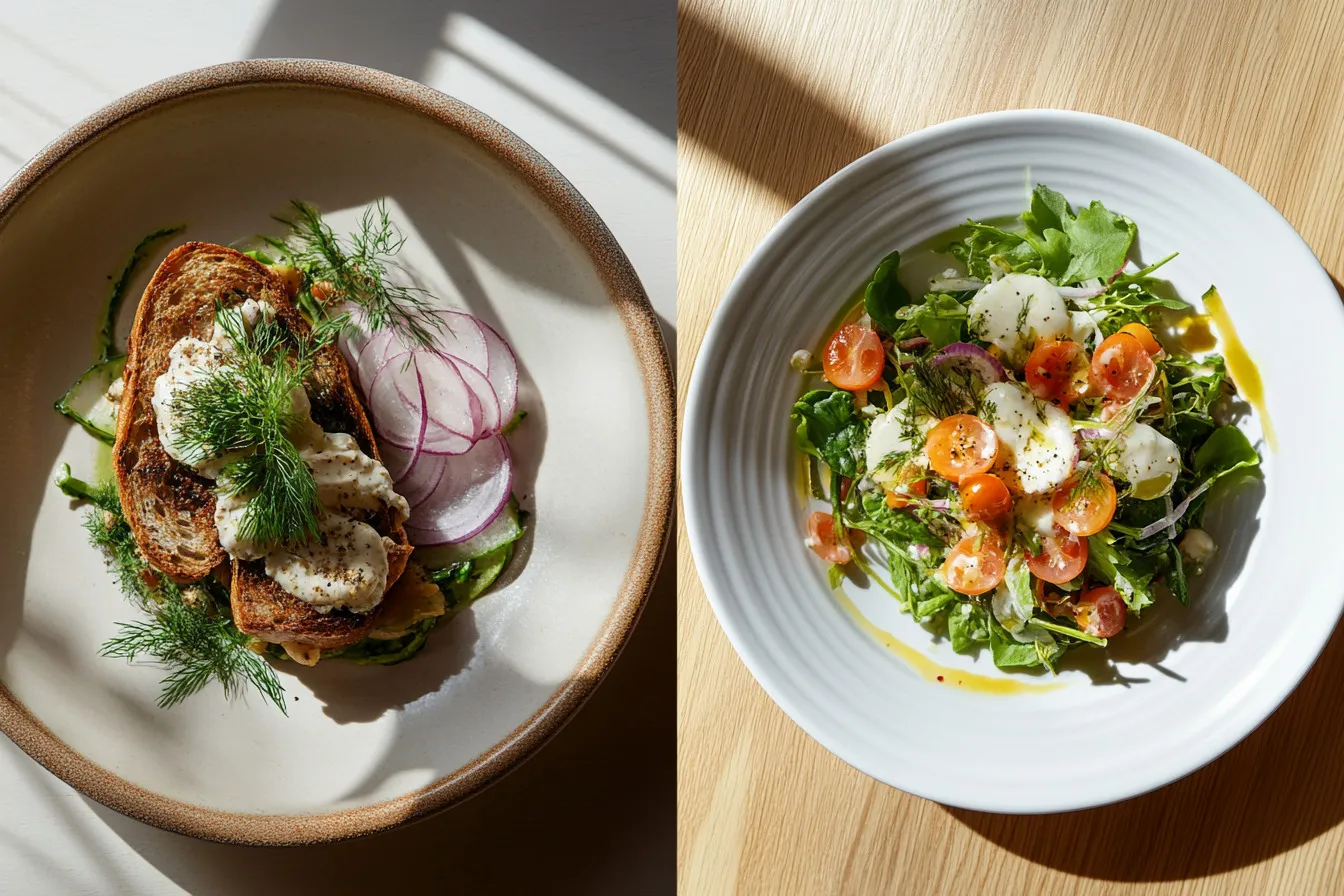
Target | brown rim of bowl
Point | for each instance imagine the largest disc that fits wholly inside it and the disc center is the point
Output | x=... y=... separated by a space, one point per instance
x=642 y=326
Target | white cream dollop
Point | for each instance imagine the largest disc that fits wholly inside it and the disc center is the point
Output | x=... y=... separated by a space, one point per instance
x=1148 y=461
x=1015 y=311
x=1036 y=444
x=347 y=567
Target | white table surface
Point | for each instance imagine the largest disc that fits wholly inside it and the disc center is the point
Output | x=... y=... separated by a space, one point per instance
x=591 y=85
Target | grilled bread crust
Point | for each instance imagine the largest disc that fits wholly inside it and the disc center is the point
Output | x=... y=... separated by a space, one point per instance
x=169 y=507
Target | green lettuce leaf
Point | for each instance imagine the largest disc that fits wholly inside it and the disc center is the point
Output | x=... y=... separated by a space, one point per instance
x=885 y=295
x=827 y=427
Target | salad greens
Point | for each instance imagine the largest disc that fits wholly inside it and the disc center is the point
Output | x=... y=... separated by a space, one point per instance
x=1030 y=462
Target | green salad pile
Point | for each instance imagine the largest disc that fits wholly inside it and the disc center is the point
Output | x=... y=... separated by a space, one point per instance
x=1030 y=444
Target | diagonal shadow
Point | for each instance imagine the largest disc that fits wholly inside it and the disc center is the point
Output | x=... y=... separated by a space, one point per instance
x=757 y=117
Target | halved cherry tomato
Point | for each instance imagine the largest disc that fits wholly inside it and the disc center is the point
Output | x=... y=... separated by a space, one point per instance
x=1084 y=504
x=1101 y=612
x=323 y=291
x=910 y=478
x=1061 y=559
x=1121 y=367
x=975 y=565
x=985 y=497
x=854 y=358
x=960 y=446
x=821 y=529
x=1145 y=337
x=1057 y=372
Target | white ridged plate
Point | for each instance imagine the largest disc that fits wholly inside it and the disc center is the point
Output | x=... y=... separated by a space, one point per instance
x=1198 y=680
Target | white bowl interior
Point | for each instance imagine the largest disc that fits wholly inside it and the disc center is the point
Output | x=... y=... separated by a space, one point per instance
x=1180 y=687
x=223 y=163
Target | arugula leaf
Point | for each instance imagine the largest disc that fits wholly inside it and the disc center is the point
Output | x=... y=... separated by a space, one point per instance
x=1048 y=210
x=827 y=427
x=941 y=318
x=884 y=294
x=1224 y=452
x=1176 y=580
x=1099 y=241
x=1132 y=576
x=1013 y=602
x=1008 y=651
x=1193 y=387
x=967 y=627
x=935 y=603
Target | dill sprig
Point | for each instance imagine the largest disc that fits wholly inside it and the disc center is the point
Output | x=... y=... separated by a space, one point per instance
x=356 y=270
x=188 y=630
x=248 y=406
x=940 y=391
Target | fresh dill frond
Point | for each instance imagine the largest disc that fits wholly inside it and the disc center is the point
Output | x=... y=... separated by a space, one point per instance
x=248 y=405
x=940 y=391
x=357 y=271
x=197 y=643
x=188 y=630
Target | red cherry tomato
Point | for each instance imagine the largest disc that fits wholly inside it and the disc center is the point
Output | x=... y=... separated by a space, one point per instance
x=323 y=291
x=1121 y=367
x=1145 y=337
x=1062 y=558
x=960 y=446
x=911 y=477
x=854 y=358
x=984 y=497
x=1084 y=505
x=1057 y=372
x=821 y=529
x=1100 y=612
x=975 y=565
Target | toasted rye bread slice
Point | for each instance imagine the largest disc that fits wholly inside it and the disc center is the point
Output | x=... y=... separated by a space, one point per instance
x=171 y=509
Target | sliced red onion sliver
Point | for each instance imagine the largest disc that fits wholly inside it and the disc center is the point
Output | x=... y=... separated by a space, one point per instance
x=400 y=463
x=502 y=372
x=971 y=357
x=462 y=337
x=404 y=390
x=371 y=358
x=474 y=488
x=400 y=421
x=423 y=480
x=485 y=393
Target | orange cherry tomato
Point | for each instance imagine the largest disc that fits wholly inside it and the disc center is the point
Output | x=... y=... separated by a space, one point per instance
x=1100 y=612
x=854 y=358
x=1057 y=372
x=960 y=446
x=1145 y=337
x=323 y=291
x=1121 y=367
x=911 y=478
x=985 y=497
x=1084 y=506
x=1061 y=559
x=975 y=565
x=821 y=529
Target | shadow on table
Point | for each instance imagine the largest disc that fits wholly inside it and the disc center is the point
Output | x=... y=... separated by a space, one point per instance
x=758 y=118
x=1278 y=789
x=596 y=801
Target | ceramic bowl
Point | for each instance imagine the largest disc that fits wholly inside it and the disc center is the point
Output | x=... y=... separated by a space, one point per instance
x=493 y=228
x=1179 y=688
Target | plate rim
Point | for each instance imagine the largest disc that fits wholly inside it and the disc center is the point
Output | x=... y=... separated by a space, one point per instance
x=625 y=291
x=691 y=458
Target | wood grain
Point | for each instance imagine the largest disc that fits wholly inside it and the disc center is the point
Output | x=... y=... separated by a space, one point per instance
x=775 y=97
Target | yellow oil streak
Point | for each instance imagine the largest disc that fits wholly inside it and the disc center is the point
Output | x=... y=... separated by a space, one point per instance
x=1239 y=364
x=1195 y=333
x=933 y=671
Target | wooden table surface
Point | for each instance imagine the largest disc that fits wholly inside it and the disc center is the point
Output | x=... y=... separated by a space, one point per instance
x=774 y=97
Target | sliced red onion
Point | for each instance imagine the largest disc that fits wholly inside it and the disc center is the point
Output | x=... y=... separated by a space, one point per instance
x=372 y=356
x=463 y=337
x=485 y=394
x=954 y=284
x=915 y=343
x=971 y=357
x=502 y=371
x=1170 y=519
x=921 y=551
x=1096 y=432
x=423 y=480
x=402 y=394
x=474 y=488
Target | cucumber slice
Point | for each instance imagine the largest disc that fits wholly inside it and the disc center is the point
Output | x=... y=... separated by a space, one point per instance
x=85 y=402
x=506 y=529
